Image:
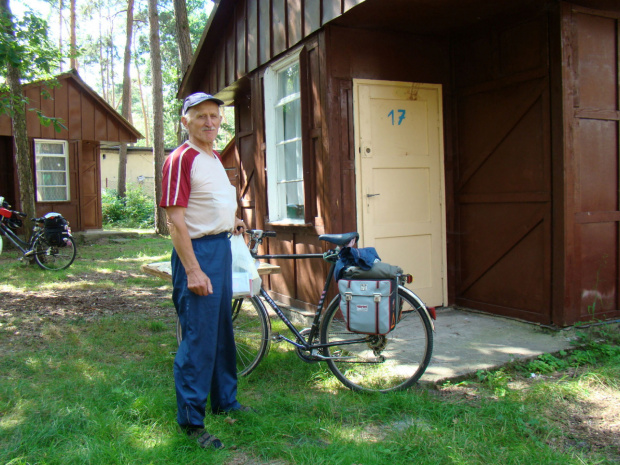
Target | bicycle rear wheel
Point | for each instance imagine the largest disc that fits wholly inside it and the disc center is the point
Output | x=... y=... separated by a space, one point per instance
x=52 y=257
x=380 y=363
x=252 y=329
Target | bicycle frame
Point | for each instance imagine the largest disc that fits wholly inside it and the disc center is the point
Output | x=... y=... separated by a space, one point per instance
x=15 y=239
x=306 y=344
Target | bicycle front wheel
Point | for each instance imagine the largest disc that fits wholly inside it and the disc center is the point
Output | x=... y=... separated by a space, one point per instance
x=379 y=363
x=52 y=257
x=252 y=329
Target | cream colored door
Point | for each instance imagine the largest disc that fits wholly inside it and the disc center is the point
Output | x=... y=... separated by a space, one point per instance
x=400 y=180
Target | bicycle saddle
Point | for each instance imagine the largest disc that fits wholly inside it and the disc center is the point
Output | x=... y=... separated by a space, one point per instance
x=340 y=239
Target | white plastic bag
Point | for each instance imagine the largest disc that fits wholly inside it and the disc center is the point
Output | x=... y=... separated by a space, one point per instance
x=246 y=281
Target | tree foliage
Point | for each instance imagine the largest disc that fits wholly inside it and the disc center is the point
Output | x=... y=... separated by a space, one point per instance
x=25 y=45
x=30 y=49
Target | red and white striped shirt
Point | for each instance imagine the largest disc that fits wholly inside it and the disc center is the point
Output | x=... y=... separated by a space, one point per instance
x=197 y=181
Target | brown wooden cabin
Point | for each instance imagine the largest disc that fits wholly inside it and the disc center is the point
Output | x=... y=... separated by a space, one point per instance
x=475 y=143
x=68 y=176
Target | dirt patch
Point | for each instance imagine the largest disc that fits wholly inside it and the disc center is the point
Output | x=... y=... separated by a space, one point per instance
x=23 y=314
x=593 y=423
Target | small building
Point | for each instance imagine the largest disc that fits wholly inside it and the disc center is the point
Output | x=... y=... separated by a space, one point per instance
x=66 y=164
x=474 y=143
x=139 y=167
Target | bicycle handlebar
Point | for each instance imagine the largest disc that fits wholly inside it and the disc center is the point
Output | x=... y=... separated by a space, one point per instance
x=259 y=233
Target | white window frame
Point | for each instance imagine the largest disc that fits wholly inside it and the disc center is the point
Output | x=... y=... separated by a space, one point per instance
x=65 y=154
x=276 y=197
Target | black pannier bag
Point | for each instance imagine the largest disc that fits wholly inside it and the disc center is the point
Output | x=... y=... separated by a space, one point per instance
x=56 y=229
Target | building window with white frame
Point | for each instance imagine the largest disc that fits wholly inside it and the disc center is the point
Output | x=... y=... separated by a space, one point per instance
x=285 y=180
x=52 y=170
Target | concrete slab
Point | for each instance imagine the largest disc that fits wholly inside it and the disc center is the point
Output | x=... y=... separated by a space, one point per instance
x=467 y=341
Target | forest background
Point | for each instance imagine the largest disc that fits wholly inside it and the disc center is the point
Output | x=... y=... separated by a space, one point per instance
x=101 y=36
x=133 y=53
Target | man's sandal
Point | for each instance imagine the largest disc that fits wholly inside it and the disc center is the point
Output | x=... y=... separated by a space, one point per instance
x=205 y=440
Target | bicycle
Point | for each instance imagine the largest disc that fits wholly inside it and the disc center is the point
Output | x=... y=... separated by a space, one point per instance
x=359 y=361
x=51 y=250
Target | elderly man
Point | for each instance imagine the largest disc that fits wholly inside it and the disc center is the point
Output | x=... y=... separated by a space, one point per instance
x=201 y=207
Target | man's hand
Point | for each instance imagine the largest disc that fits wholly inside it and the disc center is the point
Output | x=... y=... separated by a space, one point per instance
x=198 y=282
x=239 y=227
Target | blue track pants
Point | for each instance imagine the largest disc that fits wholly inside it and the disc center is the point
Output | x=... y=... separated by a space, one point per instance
x=205 y=363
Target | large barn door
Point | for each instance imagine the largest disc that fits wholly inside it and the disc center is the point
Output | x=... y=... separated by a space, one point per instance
x=90 y=186
x=503 y=172
x=399 y=163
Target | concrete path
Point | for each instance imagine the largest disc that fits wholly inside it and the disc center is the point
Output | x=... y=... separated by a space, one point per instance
x=465 y=342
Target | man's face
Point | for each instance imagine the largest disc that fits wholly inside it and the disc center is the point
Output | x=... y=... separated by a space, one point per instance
x=202 y=122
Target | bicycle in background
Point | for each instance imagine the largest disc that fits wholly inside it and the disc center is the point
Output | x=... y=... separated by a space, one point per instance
x=51 y=245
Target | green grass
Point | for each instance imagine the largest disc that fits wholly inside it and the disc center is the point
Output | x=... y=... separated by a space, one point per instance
x=98 y=389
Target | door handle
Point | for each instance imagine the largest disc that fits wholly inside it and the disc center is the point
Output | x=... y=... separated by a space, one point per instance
x=372 y=195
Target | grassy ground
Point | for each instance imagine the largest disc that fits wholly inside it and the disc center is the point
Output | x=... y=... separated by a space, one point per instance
x=86 y=378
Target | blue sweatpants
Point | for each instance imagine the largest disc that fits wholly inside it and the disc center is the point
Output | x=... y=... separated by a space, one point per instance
x=205 y=363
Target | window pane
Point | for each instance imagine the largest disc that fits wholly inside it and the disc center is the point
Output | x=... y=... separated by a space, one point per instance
x=292 y=120
x=293 y=180
x=288 y=81
x=50 y=148
x=49 y=178
x=293 y=165
x=52 y=193
x=51 y=163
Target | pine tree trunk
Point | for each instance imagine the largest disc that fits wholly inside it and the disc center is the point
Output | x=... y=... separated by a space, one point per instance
x=60 y=7
x=183 y=37
x=158 y=115
x=147 y=141
x=25 y=179
x=121 y=178
x=73 y=47
x=126 y=102
x=185 y=45
x=104 y=84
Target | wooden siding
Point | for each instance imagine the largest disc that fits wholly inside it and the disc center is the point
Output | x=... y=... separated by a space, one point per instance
x=591 y=126
x=247 y=34
x=503 y=170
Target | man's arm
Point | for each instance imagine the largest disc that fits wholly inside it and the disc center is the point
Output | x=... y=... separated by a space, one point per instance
x=197 y=281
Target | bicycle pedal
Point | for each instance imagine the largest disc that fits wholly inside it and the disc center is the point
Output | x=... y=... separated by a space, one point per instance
x=276 y=337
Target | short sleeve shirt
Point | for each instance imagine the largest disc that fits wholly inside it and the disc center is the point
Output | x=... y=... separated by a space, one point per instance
x=197 y=181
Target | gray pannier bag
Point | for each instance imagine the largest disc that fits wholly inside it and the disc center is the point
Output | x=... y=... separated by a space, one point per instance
x=369 y=306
